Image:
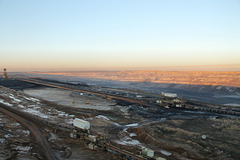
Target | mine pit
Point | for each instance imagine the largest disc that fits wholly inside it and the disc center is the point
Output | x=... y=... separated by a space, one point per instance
x=170 y=133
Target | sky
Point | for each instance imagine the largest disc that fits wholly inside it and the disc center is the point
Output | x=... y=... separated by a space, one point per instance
x=51 y=35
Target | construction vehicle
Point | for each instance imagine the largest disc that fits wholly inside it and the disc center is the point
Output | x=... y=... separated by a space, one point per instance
x=82 y=131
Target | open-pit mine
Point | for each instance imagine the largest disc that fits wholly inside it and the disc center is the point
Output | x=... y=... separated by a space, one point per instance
x=45 y=116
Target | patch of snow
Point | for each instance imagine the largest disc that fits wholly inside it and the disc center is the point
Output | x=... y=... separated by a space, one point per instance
x=37 y=107
x=227 y=96
x=232 y=104
x=131 y=125
x=8 y=135
x=23 y=149
x=61 y=112
x=213 y=117
x=32 y=99
x=116 y=124
x=69 y=121
x=127 y=141
x=199 y=112
x=166 y=153
x=34 y=106
x=15 y=99
x=21 y=106
x=5 y=103
x=62 y=115
x=102 y=117
x=132 y=134
x=53 y=137
x=125 y=129
x=230 y=89
x=26 y=132
x=35 y=112
x=163 y=119
x=15 y=124
x=219 y=87
x=53 y=110
x=2 y=140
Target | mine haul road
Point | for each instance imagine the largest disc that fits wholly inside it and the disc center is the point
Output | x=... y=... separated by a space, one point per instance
x=36 y=130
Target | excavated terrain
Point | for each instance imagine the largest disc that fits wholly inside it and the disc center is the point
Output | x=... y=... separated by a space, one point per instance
x=175 y=77
x=173 y=135
x=18 y=142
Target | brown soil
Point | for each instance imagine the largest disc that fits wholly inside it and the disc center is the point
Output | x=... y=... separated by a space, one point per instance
x=37 y=133
x=16 y=141
x=184 y=138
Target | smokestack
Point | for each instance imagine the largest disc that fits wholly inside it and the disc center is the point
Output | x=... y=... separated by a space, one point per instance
x=5 y=76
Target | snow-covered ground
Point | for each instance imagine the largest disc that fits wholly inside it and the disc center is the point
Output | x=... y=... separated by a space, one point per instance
x=65 y=97
x=33 y=106
x=5 y=103
x=233 y=104
x=102 y=117
x=127 y=139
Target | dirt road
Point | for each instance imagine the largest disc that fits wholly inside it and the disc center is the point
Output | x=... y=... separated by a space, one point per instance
x=36 y=131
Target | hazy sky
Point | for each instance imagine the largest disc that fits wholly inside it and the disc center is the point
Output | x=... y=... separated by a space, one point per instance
x=118 y=34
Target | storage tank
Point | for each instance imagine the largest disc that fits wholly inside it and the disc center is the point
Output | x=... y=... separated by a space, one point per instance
x=80 y=123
